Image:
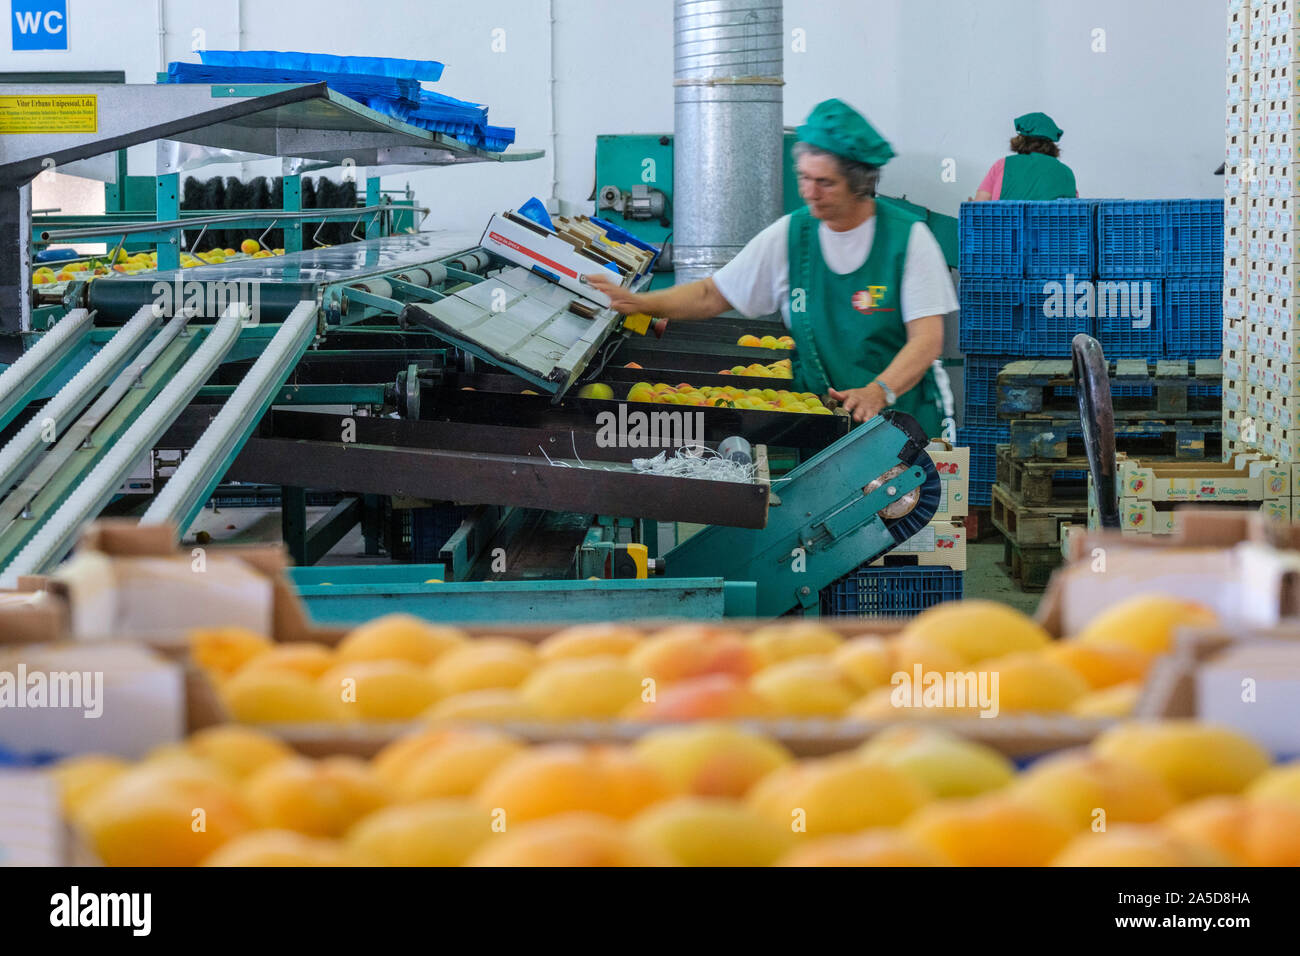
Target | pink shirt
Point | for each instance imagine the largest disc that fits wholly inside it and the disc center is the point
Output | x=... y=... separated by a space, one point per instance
x=992 y=183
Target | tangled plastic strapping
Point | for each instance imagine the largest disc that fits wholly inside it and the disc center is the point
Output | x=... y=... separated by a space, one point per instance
x=696 y=461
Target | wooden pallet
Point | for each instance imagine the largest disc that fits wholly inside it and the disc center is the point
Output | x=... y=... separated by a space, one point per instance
x=1034 y=482
x=1031 y=567
x=1045 y=388
x=1032 y=525
x=978 y=523
x=1059 y=440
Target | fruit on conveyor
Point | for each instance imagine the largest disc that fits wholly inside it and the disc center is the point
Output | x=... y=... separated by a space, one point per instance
x=596 y=390
x=759 y=399
x=766 y=342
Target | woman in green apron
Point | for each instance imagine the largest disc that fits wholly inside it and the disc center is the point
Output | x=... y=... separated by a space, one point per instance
x=1034 y=170
x=861 y=282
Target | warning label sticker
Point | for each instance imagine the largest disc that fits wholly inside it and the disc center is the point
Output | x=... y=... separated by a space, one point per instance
x=73 y=113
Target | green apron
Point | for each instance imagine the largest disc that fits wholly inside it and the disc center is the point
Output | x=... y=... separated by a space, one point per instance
x=848 y=328
x=1036 y=176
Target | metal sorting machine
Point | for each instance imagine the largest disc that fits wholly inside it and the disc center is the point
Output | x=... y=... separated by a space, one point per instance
x=413 y=367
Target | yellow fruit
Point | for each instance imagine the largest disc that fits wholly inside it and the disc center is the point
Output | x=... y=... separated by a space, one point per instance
x=1030 y=683
x=297 y=657
x=574 y=839
x=711 y=759
x=749 y=341
x=1101 y=665
x=552 y=779
x=839 y=794
x=782 y=642
x=712 y=831
x=273 y=697
x=1083 y=788
x=249 y=246
x=870 y=848
x=867 y=661
x=225 y=650
x=1194 y=759
x=161 y=816
x=1146 y=622
x=238 y=750
x=684 y=651
x=581 y=687
x=443 y=762
x=590 y=640
x=262 y=254
x=908 y=651
x=1119 y=700
x=1130 y=844
x=769 y=342
x=948 y=766
x=991 y=830
x=596 y=390
x=80 y=778
x=229 y=252
x=277 y=252
x=977 y=630
x=1247 y=832
x=711 y=697
x=491 y=706
x=430 y=833
x=1280 y=783
x=380 y=690
x=280 y=848
x=317 y=797
x=399 y=637
x=804 y=687
x=483 y=665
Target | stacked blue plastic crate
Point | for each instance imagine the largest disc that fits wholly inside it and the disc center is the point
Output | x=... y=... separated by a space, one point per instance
x=1019 y=265
x=1165 y=259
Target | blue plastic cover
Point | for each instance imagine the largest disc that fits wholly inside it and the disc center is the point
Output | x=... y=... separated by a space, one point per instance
x=536 y=211
x=326 y=63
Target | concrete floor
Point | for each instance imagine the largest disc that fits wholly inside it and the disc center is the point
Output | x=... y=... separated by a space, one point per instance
x=986 y=577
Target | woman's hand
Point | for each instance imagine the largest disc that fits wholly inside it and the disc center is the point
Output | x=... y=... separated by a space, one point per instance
x=861 y=403
x=621 y=300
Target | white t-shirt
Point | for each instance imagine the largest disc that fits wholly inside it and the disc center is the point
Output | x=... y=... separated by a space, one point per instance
x=757 y=281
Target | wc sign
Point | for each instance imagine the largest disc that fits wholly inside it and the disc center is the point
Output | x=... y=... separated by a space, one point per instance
x=39 y=24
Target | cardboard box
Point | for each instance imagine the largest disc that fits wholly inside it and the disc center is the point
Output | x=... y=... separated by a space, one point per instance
x=953 y=465
x=1199 y=481
x=1238 y=563
x=67 y=699
x=939 y=544
x=564 y=258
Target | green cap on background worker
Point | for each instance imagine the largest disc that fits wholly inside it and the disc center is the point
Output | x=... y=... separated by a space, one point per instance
x=860 y=281
x=1034 y=170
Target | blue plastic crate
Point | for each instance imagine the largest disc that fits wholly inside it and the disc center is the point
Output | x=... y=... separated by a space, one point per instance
x=1119 y=305
x=980 y=384
x=1194 y=317
x=1060 y=239
x=991 y=312
x=983 y=442
x=1049 y=320
x=991 y=239
x=891 y=592
x=1129 y=238
x=431 y=527
x=1192 y=237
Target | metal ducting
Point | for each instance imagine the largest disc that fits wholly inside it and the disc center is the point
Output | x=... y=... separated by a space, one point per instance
x=728 y=127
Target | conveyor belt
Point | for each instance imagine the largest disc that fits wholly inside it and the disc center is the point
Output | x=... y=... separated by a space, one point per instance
x=35 y=367
x=186 y=491
x=283 y=281
x=57 y=535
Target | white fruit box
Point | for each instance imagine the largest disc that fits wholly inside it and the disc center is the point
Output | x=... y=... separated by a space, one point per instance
x=1201 y=481
x=540 y=250
x=1254 y=688
x=1236 y=562
x=953 y=465
x=69 y=698
x=938 y=544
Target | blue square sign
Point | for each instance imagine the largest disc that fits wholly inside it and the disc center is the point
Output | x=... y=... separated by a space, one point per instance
x=39 y=24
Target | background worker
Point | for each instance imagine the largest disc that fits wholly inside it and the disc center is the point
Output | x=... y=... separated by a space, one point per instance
x=1034 y=170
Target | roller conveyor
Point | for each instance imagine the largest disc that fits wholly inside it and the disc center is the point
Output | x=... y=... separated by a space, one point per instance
x=22 y=380
x=57 y=533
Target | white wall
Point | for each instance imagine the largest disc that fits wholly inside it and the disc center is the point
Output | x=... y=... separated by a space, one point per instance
x=940 y=78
